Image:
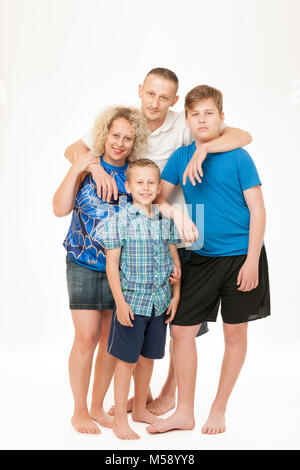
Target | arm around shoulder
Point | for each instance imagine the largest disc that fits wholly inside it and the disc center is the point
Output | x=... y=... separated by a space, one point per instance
x=78 y=147
x=239 y=137
x=230 y=138
x=106 y=185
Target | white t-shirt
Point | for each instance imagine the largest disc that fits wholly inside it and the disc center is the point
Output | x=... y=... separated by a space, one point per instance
x=162 y=142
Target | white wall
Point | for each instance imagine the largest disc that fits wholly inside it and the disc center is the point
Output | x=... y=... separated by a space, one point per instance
x=63 y=60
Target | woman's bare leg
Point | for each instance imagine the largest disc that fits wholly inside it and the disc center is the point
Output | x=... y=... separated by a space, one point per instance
x=103 y=373
x=87 y=325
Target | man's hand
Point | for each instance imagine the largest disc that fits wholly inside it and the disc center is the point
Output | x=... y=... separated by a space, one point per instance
x=248 y=276
x=172 y=309
x=175 y=275
x=187 y=229
x=106 y=185
x=194 y=167
x=125 y=314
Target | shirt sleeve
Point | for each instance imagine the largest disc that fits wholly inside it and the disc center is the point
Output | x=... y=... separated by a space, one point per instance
x=223 y=126
x=111 y=234
x=187 y=136
x=88 y=139
x=248 y=173
x=170 y=172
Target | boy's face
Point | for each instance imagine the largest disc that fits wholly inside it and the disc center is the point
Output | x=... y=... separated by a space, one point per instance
x=119 y=142
x=144 y=185
x=204 y=120
x=157 y=95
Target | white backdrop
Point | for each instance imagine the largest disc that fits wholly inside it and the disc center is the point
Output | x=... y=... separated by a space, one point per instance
x=61 y=62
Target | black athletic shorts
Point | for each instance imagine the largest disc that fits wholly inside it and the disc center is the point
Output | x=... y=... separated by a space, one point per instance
x=209 y=281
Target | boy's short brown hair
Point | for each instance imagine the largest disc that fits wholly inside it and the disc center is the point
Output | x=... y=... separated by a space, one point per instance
x=202 y=92
x=141 y=163
x=166 y=74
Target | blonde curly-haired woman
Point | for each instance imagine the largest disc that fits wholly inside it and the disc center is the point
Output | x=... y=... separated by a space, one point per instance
x=120 y=136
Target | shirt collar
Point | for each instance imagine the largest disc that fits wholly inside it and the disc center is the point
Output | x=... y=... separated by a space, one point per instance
x=132 y=209
x=112 y=167
x=166 y=125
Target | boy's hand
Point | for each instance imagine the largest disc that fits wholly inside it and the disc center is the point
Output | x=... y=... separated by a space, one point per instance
x=125 y=314
x=172 y=309
x=194 y=167
x=187 y=229
x=175 y=275
x=106 y=185
x=81 y=162
x=248 y=276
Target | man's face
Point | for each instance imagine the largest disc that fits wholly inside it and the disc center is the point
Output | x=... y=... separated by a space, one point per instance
x=157 y=95
x=144 y=185
x=204 y=120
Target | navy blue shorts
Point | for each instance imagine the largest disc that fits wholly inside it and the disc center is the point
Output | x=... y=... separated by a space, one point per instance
x=147 y=337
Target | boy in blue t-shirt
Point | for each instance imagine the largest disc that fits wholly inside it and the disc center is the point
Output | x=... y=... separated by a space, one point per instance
x=228 y=263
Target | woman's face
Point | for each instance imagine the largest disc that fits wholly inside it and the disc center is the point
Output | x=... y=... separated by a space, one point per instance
x=119 y=142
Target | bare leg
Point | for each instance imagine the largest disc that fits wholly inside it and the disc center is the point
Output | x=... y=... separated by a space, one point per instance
x=104 y=369
x=166 y=400
x=142 y=377
x=122 y=379
x=185 y=361
x=112 y=409
x=235 y=352
x=87 y=325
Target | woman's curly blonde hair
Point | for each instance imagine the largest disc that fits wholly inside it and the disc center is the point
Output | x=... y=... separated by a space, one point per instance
x=104 y=121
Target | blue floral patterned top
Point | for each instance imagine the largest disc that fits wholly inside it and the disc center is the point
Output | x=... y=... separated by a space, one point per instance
x=90 y=214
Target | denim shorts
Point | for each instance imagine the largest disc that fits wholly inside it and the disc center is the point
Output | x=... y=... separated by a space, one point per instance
x=88 y=289
x=147 y=338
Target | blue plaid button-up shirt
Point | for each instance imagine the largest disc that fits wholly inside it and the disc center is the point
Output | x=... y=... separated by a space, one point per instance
x=145 y=260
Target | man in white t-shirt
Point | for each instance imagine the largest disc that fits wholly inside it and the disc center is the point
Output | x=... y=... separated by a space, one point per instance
x=168 y=132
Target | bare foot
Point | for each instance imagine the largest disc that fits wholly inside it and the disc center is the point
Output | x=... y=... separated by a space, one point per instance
x=161 y=405
x=122 y=430
x=215 y=423
x=176 y=421
x=144 y=416
x=101 y=417
x=111 y=411
x=82 y=422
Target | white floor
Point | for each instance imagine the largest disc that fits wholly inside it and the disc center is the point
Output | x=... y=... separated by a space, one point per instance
x=36 y=403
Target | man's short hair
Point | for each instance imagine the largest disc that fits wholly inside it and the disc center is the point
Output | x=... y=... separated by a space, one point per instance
x=141 y=163
x=200 y=93
x=166 y=74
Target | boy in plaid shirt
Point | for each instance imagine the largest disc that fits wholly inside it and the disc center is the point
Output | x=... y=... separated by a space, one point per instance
x=141 y=255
